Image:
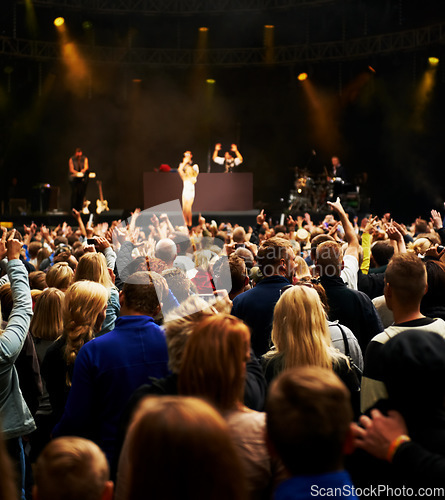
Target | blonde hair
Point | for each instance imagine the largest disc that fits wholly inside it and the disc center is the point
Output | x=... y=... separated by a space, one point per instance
x=300 y=330
x=69 y=468
x=35 y=294
x=419 y=246
x=60 y=276
x=47 y=321
x=93 y=267
x=84 y=301
x=202 y=259
x=301 y=268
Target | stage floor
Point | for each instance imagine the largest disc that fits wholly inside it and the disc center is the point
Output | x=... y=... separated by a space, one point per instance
x=52 y=219
x=243 y=218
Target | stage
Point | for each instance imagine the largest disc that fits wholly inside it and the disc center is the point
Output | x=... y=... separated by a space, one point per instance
x=243 y=218
x=219 y=197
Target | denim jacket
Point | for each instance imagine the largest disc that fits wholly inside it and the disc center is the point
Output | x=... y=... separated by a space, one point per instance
x=15 y=416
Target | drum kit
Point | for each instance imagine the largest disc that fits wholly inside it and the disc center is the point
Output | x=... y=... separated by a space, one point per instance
x=312 y=192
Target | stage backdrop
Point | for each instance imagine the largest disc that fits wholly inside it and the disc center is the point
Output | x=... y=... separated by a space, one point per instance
x=214 y=192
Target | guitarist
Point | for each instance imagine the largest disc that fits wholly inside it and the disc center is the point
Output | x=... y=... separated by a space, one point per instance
x=78 y=165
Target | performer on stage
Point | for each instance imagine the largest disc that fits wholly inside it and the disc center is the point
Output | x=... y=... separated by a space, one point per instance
x=189 y=174
x=228 y=161
x=338 y=171
x=78 y=165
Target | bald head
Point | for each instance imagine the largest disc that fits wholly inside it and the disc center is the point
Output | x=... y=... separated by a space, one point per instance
x=166 y=251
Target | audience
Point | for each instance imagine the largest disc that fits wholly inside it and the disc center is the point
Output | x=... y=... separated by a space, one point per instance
x=97 y=373
x=110 y=367
x=214 y=368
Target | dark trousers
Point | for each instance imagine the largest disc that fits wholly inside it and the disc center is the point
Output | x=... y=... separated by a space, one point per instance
x=78 y=190
x=22 y=467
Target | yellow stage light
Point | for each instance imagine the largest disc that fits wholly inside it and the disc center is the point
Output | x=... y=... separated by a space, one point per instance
x=210 y=81
x=302 y=76
x=59 y=21
x=203 y=28
x=434 y=61
x=269 y=26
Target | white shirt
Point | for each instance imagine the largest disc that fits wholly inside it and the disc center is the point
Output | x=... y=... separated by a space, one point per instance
x=350 y=271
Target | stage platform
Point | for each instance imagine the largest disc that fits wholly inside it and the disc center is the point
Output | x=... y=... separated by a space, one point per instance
x=53 y=219
x=244 y=218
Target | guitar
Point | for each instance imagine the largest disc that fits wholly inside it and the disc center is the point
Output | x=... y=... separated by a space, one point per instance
x=86 y=204
x=102 y=205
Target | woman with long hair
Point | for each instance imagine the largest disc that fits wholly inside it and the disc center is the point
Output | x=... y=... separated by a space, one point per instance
x=300 y=336
x=60 y=276
x=83 y=314
x=47 y=321
x=179 y=447
x=46 y=327
x=189 y=174
x=214 y=368
x=93 y=267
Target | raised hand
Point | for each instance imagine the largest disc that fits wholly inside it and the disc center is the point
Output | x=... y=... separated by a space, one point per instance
x=435 y=252
x=290 y=221
x=393 y=233
x=218 y=147
x=370 y=224
x=101 y=244
x=13 y=247
x=336 y=206
x=261 y=217
x=29 y=230
x=436 y=219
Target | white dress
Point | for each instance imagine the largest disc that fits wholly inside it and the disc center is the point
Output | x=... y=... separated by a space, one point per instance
x=188 y=191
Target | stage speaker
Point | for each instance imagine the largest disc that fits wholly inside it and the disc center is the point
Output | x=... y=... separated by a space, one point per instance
x=44 y=198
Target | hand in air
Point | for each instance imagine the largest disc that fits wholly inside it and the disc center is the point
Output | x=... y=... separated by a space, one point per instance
x=261 y=217
x=436 y=219
x=336 y=206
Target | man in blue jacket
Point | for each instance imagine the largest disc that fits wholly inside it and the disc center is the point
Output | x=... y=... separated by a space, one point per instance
x=109 y=368
x=276 y=260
